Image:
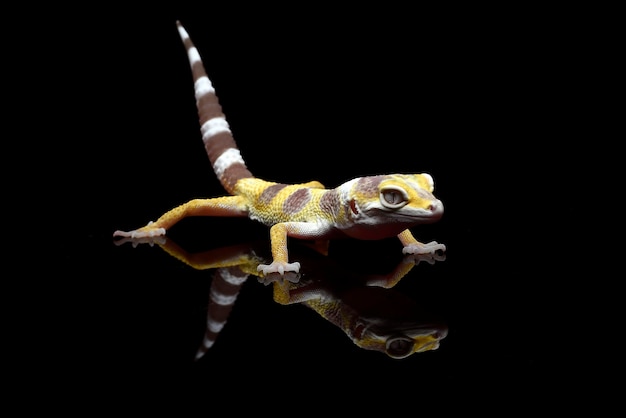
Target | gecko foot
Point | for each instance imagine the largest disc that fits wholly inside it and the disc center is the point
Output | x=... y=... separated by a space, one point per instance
x=147 y=231
x=278 y=267
x=419 y=248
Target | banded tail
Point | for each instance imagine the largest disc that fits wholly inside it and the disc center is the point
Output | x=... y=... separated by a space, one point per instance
x=218 y=140
x=225 y=288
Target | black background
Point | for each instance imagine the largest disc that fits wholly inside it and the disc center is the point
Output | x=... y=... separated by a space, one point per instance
x=484 y=102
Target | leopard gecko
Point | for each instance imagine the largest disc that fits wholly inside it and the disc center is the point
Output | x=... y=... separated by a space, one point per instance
x=367 y=208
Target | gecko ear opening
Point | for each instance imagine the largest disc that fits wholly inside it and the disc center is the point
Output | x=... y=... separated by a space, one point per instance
x=393 y=197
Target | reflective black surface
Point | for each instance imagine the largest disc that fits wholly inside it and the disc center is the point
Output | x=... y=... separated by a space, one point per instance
x=447 y=99
x=359 y=302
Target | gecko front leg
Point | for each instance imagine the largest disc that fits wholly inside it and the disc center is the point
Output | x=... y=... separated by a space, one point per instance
x=413 y=246
x=280 y=264
x=278 y=235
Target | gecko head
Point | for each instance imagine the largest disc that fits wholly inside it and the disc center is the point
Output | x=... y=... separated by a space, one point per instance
x=398 y=337
x=397 y=198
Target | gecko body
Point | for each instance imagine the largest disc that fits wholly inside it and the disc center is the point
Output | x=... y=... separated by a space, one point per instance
x=369 y=208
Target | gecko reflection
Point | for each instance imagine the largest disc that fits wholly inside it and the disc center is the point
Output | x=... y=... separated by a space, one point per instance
x=365 y=307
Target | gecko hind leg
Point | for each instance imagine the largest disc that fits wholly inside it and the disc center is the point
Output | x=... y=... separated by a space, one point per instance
x=230 y=206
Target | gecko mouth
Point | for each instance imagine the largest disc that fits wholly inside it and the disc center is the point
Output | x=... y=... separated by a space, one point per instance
x=421 y=215
x=433 y=213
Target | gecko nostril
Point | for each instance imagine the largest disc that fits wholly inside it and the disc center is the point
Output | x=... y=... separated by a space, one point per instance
x=435 y=207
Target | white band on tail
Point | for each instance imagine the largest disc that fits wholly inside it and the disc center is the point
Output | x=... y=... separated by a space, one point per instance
x=213 y=127
x=229 y=157
x=203 y=86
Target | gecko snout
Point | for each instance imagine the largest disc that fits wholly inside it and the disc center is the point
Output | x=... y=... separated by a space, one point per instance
x=436 y=208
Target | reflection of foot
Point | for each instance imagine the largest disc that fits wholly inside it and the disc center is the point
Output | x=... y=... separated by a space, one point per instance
x=145 y=232
x=289 y=276
x=419 y=248
x=159 y=240
x=430 y=258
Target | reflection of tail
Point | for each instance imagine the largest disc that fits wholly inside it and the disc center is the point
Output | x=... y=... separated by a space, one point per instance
x=224 y=291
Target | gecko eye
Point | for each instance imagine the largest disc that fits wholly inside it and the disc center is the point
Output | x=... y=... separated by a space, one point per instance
x=393 y=197
x=399 y=347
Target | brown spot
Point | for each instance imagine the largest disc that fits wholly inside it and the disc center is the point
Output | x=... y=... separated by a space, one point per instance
x=296 y=201
x=197 y=69
x=329 y=202
x=217 y=144
x=226 y=288
x=269 y=193
x=208 y=107
x=369 y=185
x=233 y=173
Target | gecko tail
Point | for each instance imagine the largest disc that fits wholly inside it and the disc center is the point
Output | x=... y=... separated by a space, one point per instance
x=218 y=139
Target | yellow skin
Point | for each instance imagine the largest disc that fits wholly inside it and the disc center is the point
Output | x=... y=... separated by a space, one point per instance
x=373 y=207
